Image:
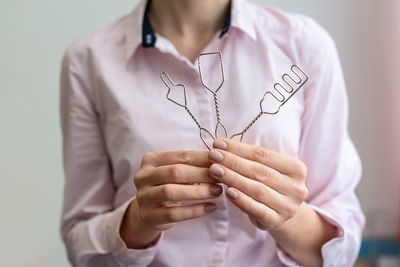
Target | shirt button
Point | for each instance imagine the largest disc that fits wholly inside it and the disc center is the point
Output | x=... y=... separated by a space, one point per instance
x=148 y=38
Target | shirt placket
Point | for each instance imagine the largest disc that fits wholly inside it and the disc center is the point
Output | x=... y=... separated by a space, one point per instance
x=220 y=236
x=206 y=111
x=207 y=117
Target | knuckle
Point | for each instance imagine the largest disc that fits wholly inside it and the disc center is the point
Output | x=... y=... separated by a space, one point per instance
x=140 y=196
x=261 y=155
x=174 y=172
x=267 y=220
x=234 y=146
x=166 y=192
x=171 y=215
x=234 y=162
x=138 y=178
x=259 y=193
x=257 y=223
x=301 y=192
x=304 y=193
x=301 y=170
x=261 y=172
x=184 y=156
x=146 y=159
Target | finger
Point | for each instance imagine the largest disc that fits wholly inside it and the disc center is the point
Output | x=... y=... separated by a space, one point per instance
x=173 y=174
x=178 y=192
x=280 y=162
x=266 y=217
x=194 y=158
x=164 y=215
x=283 y=205
x=258 y=223
x=253 y=170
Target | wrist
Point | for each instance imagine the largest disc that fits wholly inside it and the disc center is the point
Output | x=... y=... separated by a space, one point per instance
x=303 y=236
x=133 y=232
x=280 y=233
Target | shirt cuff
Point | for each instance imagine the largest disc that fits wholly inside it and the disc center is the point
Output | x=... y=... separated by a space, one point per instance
x=286 y=259
x=330 y=251
x=123 y=254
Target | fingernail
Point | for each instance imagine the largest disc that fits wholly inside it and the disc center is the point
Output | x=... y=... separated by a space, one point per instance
x=216 y=170
x=216 y=190
x=220 y=144
x=231 y=193
x=210 y=208
x=216 y=156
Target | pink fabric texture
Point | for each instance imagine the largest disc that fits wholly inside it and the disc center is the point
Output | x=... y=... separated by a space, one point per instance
x=114 y=110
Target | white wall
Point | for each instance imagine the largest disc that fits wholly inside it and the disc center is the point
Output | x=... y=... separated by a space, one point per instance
x=367 y=34
x=33 y=36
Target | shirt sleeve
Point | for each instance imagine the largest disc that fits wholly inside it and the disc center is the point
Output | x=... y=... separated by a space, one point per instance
x=90 y=222
x=334 y=167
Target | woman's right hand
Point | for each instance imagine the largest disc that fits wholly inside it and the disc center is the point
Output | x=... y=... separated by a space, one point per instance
x=163 y=181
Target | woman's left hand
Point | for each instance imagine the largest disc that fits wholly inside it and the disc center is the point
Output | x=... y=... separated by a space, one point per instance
x=266 y=185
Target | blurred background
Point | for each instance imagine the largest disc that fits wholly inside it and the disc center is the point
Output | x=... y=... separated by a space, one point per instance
x=33 y=37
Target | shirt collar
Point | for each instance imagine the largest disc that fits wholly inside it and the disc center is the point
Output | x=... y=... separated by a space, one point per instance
x=244 y=17
x=138 y=31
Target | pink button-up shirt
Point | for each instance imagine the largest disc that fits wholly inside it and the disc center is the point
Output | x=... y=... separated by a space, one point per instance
x=114 y=110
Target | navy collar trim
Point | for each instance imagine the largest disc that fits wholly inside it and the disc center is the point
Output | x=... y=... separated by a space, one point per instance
x=149 y=38
x=227 y=24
